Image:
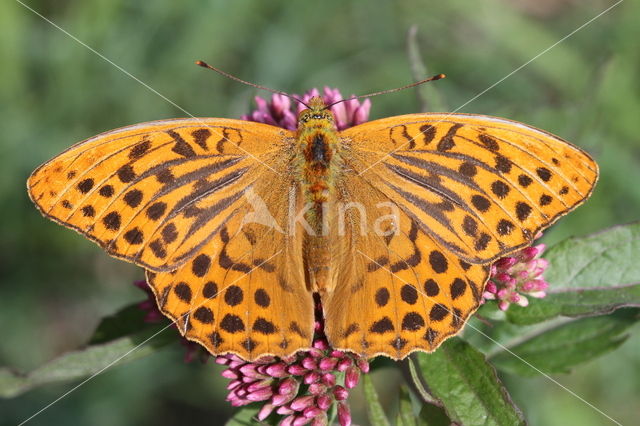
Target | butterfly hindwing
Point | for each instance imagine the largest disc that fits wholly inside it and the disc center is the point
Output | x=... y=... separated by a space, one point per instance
x=243 y=293
x=400 y=290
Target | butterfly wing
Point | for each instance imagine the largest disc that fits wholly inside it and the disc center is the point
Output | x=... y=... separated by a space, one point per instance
x=482 y=186
x=155 y=193
x=244 y=292
x=173 y=196
x=399 y=290
x=468 y=190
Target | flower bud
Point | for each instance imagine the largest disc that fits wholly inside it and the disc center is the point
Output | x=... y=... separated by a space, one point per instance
x=309 y=363
x=288 y=386
x=280 y=400
x=328 y=379
x=363 y=365
x=324 y=402
x=344 y=416
x=297 y=370
x=265 y=411
x=301 y=403
x=259 y=384
x=311 y=412
x=276 y=370
x=284 y=410
x=311 y=377
x=301 y=420
x=288 y=421
x=260 y=395
x=320 y=420
x=229 y=374
x=321 y=344
x=351 y=377
x=344 y=363
x=317 y=388
x=340 y=393
x=327 y=364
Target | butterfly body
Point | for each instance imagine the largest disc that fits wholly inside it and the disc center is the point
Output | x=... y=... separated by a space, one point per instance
x=319 y=144
x=393 y=222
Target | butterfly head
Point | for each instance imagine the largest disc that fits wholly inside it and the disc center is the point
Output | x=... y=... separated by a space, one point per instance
x=316 y=115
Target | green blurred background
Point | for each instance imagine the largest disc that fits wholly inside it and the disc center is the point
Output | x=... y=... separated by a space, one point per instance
x=56 y=286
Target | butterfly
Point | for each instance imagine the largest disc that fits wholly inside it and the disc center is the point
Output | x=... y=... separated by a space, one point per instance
x=393 y=223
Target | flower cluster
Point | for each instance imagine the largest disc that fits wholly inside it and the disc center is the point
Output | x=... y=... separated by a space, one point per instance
x=301 y=387
x=280 y=111
x=515 y=277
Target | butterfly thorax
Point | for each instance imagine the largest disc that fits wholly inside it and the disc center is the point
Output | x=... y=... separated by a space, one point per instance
x=317 y=139
x=318 y=159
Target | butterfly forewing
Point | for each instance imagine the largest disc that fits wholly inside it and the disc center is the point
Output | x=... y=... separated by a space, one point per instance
x=154 y=193
x=480 y=186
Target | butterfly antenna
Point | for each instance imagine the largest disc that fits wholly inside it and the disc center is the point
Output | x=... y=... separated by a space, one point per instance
x=397 y=89
x=257 y=86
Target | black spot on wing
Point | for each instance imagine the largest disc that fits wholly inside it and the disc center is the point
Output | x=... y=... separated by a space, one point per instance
x=200 y=137
x=85 y=185
x=446 y=143
x=139 y=149
x=181 y=147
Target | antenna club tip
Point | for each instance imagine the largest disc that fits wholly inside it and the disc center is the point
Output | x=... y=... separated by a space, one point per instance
x=440 y=76
x=202 y=63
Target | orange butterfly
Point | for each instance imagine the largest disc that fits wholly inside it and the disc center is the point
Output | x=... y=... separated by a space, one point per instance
x=392 y=222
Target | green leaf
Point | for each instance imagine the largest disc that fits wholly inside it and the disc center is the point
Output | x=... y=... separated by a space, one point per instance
x=126 y=321
x=405 y=416
x=564 y=346
x=86 y=362
x=591 y=275
x=381 y=362
x=432 y=415
x=245 y=416
x=459 y=376
x=374 y=409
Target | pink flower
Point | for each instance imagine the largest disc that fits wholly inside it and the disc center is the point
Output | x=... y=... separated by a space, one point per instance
x=302 y=388
x=281 y=112
x=515 y=277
